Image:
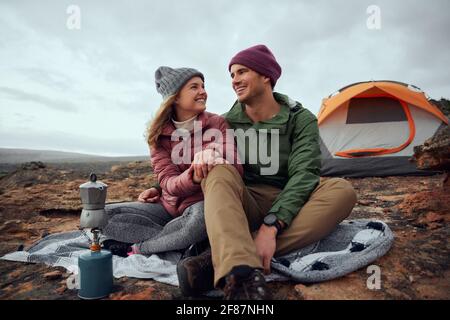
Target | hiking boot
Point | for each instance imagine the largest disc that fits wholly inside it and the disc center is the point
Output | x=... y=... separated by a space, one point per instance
x=246 y=283
x=197 y=248
x=196 y=274
x=117 y=248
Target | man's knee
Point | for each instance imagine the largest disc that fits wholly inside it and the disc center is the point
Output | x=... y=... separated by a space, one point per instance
x=343 y=190
x=225 y=174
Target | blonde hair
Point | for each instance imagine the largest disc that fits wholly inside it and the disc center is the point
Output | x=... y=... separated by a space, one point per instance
x=162 y=116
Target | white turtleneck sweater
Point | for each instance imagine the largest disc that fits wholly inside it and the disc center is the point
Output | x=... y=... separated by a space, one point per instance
x=188 y=124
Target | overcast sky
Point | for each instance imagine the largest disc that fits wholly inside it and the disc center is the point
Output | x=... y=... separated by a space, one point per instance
x=92 y=90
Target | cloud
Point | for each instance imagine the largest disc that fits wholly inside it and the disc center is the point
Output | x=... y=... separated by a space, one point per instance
x=104 y=71
x=59 y=105
x=44 y=76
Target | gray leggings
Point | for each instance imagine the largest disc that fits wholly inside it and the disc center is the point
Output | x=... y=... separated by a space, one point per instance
x=152 y=228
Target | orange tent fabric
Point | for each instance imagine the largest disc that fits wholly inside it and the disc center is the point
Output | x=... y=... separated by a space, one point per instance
x=378 y=88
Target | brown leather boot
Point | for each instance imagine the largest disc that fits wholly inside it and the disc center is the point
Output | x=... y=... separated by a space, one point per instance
x=196 y=274
x=246 y=283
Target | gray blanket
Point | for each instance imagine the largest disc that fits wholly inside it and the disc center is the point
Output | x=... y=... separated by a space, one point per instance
x=351 y=246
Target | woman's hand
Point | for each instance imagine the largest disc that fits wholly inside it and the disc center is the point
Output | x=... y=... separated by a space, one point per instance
x=149 y=195
x=204 y=161
x=196 y=178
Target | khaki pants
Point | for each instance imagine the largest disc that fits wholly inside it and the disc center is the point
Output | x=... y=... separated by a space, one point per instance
x=233 y=211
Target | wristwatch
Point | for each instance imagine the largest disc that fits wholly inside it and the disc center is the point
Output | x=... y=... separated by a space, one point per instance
x=271 y=220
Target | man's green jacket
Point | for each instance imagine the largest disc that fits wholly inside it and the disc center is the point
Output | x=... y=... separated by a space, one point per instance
x=293 y=137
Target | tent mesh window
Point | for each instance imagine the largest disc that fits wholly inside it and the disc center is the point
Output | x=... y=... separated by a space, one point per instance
x=370 y=110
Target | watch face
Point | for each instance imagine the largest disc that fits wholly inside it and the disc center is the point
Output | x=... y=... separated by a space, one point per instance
x=270 y=219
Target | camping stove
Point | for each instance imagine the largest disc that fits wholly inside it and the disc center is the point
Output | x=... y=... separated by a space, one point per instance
x=93 y=197
x=95 y=266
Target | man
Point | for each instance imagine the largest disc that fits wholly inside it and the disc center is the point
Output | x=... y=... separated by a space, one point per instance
x=253 y=219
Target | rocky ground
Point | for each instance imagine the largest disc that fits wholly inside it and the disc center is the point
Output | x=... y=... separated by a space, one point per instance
x=36 y=200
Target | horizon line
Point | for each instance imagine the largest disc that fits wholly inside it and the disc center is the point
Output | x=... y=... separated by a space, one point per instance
x=108 y=155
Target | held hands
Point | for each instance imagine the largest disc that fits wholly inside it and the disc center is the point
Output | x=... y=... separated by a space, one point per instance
x=149 y=195
x=204 y=161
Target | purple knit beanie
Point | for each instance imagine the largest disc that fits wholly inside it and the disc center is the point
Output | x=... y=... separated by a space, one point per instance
x=260 y=59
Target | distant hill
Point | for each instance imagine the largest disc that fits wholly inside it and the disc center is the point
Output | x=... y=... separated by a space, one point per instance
x=16 y=156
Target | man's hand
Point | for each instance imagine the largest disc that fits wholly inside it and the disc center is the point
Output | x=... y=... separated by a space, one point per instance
x=265 y=242
x=149 y=195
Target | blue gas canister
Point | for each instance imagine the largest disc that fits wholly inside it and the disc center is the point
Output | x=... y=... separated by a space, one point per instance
x=95 y=266
x=96 y=273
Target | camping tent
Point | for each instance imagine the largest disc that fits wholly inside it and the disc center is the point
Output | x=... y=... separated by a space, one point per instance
x=370 y=129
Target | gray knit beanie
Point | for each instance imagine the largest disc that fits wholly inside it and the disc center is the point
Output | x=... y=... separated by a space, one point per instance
x=169 y=81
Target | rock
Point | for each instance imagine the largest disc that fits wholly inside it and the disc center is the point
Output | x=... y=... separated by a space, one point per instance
x=33 y=165
x=44 y=234
x=434 y=154
x=420 y=203
x=393 y=198
x=303 y=291
x=11 y=222
x=61 y=289
x=53 y=275
x=433 y=217
x=143 y=294
x=364 y=202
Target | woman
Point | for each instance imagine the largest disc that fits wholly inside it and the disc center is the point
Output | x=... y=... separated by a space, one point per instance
x=175 y=219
